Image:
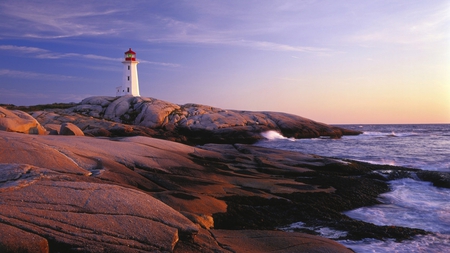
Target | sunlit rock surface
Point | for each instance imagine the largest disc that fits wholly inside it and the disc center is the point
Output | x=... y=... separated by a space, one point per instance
x=19 y=121
x=140 y=194
x=200 y=123
x=70 y=129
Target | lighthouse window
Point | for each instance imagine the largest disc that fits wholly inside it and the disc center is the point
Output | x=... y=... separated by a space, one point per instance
x=128 y=67
x=128 y=89
x=128 y=78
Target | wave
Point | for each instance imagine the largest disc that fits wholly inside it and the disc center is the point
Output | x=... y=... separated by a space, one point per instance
x=391 y=134
x=432 y=243
x=274 y=135
x=410 y=203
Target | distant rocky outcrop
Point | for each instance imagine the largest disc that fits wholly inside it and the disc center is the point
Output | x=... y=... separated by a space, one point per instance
x=20 y=122
x=189 y=123
x=201 y=123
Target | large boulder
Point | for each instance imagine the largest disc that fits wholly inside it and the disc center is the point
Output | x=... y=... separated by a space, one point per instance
x=118 y=108
x=20 y=122
x=154 y=113
x=88 y=217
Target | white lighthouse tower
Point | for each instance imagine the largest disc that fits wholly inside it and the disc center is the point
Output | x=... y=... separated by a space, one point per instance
x=130 y=82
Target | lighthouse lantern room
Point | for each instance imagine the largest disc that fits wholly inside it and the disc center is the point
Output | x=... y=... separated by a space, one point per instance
x=130 y=82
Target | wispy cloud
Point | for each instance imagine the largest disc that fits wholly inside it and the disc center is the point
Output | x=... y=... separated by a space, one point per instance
x=259 y=45
x=264 y=45
x=253 y=26
x=41 y=53
x=202 y=22
x=58 y=19
x=34 y=75
x=33 y=50
x=165 y=64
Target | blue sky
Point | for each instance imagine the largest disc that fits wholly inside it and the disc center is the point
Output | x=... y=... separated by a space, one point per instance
x=332 y=61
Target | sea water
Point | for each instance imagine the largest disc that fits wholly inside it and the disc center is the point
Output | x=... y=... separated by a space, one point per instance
x=410 y=203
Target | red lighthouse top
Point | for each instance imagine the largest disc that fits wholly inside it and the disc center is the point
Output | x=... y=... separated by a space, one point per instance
x=130 y=55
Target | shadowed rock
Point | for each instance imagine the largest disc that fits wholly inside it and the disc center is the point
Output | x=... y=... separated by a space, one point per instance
x=438 y=178
x=13 y=240
x=252 y=241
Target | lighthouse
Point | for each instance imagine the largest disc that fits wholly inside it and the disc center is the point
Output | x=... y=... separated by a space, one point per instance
x=130 y=82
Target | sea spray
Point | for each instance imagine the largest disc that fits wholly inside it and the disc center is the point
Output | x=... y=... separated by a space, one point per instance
x=274 y=135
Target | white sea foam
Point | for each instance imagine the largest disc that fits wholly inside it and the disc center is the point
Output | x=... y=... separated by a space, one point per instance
x=374 y=134
x=323 y=231
x=274 y=135
x=411 y=203
x=387 y=134
x=433 y=243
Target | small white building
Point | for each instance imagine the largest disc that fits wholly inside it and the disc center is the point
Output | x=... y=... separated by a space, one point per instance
x=130 y=82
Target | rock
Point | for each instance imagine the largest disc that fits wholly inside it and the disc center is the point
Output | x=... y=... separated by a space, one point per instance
x=45 y=117
x=205 y=221
x=20 y=122
x=98 y=132
x=438 y=178
x=260 y=241
x=139 y=194
x=98 y=100
x=70 y=129
x=28 y=152
x=154 y=113
x=13 y=240
x=200 y=124
x=53 y=129
x=118 y=108
x=90 y=110
x=95 y=211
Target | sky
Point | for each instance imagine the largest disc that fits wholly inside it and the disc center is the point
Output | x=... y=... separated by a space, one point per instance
x=337 y=62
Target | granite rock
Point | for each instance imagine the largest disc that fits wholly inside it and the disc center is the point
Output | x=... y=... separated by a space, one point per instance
x=20 y=122
x=200 y=124
x=136 y=194
x=97 y=217
x=13 y=240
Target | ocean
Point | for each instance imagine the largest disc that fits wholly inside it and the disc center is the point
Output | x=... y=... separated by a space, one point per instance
x=410 y=203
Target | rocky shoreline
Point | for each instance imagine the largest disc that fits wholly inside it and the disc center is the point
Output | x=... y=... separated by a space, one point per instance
x=200 y=124
x=125 y=192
